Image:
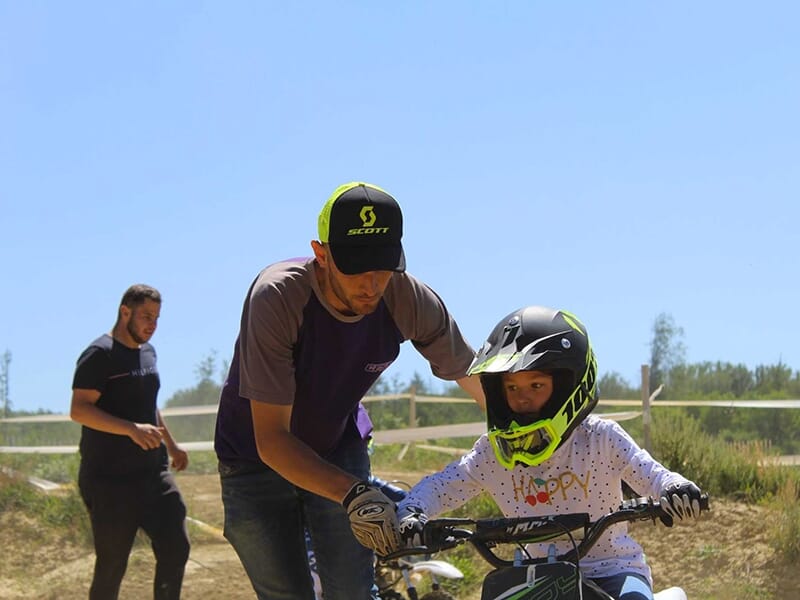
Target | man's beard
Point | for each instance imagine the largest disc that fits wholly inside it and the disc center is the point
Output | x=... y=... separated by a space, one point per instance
x=135 y=335
x=351 y=308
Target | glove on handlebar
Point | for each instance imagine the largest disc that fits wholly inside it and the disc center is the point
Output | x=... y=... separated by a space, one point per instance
x=372 y=518
x=412 y=525
x=680 y=501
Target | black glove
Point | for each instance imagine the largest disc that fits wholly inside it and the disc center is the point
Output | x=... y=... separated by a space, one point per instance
x=412 y=525
x=372 y=518
x=680 y=501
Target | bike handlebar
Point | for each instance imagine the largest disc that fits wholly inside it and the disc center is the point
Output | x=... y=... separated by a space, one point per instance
x=484 y=534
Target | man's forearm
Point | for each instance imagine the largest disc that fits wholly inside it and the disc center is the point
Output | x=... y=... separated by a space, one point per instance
x=299 y=464
x=472 y=385
x=93 y=417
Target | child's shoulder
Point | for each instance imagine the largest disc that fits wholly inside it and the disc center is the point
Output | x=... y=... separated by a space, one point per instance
x=594 y=421
x=597 y=424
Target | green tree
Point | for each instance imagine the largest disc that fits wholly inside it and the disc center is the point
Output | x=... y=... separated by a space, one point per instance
x=4 y=399
x=206 y=367
x=773 y=380
x=613 y=386
x=206 y=391
x=666 y=351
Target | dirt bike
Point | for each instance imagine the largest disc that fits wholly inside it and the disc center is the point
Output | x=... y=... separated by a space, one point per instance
x=524 y=577
x=397 y=578
x=390 y=574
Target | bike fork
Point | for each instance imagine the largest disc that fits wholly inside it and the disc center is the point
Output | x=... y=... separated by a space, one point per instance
x=411 y=589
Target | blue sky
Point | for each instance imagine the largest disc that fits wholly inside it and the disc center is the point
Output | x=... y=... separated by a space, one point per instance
x=617 y=159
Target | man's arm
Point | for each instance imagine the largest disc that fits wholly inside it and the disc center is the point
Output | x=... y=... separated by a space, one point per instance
x=84 y=410
x=472 y=385
x=179 y=456
x=282 y=451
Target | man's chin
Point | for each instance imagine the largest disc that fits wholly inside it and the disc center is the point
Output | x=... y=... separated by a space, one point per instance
x=364 y=308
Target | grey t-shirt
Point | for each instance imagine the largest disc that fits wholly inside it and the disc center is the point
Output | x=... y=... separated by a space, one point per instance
x=295 y=349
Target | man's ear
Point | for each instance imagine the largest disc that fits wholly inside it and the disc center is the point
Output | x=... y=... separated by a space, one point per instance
x=320 y=253
x=125 y=313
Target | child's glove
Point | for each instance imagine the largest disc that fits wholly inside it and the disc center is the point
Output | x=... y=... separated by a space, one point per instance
x=412 y=525
x=680 y=501
x=372 y=518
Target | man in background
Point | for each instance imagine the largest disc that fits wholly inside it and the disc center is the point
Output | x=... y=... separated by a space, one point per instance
x=124 y=475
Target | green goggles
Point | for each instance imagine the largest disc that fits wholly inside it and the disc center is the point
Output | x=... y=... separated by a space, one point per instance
x=527 y=444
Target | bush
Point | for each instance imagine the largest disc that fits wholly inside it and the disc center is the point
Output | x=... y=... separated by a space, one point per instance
x=64 y=511
x=681 y=445
x=785 y=528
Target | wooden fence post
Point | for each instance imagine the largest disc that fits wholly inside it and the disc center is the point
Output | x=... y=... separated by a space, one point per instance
x=412 y=407
x=646 y=406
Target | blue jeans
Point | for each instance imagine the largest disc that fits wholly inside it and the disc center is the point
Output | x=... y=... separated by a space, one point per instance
x=265 y=517
x=626 y=586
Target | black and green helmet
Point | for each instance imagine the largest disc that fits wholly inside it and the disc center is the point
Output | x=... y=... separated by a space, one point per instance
x=537 y=338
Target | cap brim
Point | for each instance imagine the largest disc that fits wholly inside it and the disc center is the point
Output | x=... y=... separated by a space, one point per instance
x=352 y=260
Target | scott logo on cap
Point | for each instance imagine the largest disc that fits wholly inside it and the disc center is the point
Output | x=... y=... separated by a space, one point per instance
x=368 y=219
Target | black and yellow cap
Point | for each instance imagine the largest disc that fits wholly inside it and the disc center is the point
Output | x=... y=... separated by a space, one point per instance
x=363 y=225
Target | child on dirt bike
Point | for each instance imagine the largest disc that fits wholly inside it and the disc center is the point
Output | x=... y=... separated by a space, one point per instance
x=544 y=453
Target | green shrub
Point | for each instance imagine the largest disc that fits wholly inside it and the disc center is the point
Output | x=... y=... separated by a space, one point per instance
x=681 y=445
x=784 y=529
x=63 y=511
x=398 y=457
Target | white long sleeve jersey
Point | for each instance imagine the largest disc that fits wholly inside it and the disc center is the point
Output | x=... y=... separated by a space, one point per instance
x=583 y=476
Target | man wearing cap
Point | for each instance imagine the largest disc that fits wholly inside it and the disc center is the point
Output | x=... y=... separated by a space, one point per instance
x=291 y=434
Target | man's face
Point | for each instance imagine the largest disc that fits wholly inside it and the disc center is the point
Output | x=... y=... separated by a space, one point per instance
x=352 y=294
x=142 y=320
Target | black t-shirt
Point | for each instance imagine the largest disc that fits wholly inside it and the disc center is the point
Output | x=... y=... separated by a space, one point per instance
x=128 y=382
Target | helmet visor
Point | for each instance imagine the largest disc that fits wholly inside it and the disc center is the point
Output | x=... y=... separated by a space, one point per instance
x=528 y=444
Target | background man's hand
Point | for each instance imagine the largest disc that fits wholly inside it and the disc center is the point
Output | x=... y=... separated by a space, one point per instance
x=179 y=457
x=146 y=436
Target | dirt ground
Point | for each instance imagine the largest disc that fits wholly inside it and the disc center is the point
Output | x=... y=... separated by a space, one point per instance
x=725 y=556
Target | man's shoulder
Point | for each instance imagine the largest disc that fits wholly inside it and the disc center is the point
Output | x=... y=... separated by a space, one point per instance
x=104 y=343
x=406 y=285
x=292 y=271
x=96 y=355
x=282 y=288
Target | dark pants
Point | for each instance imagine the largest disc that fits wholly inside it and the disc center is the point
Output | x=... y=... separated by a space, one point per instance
x=117 y=509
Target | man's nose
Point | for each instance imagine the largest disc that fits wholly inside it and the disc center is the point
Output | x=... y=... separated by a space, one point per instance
x=369 y=282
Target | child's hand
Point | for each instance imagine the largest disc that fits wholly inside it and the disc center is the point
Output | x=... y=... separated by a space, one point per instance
x=680 y=501
x=412 y=526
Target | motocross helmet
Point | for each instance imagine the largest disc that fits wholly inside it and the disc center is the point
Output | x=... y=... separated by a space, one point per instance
x=536 y=338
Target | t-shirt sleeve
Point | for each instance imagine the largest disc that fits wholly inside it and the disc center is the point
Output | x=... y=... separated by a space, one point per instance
x=92 y=370
x=451 y=487
x=423 y=318
x=638 y=468
x=270 y=322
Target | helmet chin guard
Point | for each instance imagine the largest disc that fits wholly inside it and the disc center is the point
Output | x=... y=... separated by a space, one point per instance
x=536 y=338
